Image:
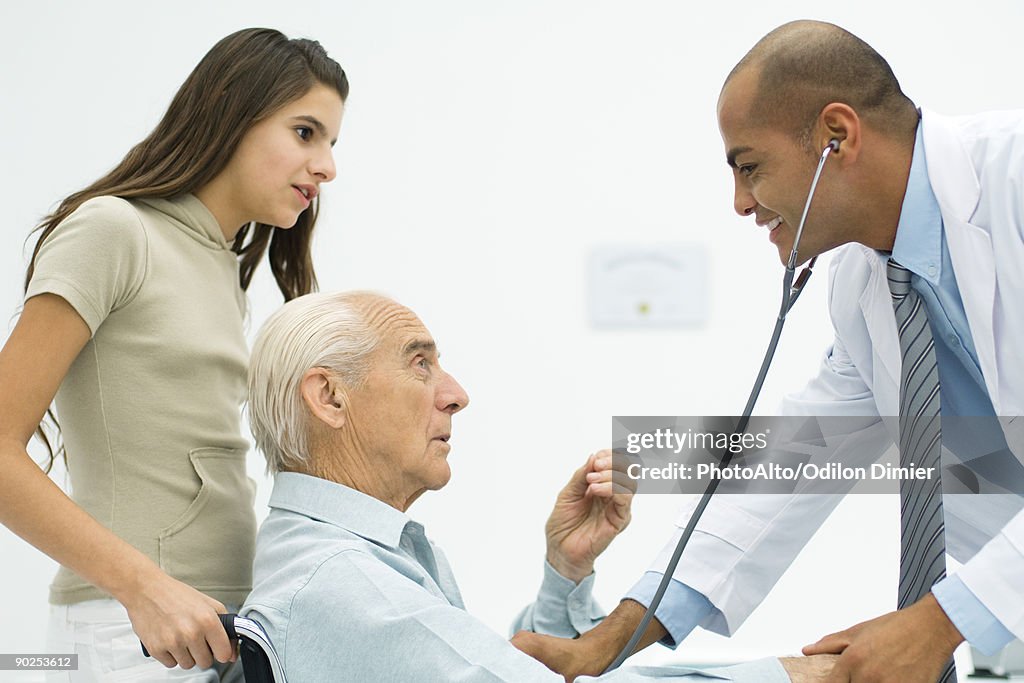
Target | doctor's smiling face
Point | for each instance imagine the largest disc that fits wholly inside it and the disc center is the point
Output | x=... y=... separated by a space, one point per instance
x=802 y=85
x=772 y=173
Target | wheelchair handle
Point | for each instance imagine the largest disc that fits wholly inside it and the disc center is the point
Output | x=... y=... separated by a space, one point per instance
x=226 y=620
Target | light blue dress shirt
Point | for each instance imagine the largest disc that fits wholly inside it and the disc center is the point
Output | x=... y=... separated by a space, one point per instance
x=921 y=247
x=350 y=589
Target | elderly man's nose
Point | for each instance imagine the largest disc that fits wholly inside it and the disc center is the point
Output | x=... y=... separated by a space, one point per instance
x=451 y=397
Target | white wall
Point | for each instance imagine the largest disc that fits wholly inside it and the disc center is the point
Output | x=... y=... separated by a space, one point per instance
x=486 y=147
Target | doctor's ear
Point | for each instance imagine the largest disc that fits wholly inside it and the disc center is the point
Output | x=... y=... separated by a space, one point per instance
x=324 y=396
x=839 y=127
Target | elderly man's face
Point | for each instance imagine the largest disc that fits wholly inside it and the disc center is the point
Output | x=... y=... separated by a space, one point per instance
x=401 y=416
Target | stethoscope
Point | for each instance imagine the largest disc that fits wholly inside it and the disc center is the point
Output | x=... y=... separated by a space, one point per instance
x=790 y=293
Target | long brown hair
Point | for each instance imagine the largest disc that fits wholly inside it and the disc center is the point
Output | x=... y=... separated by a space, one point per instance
x=244 y=78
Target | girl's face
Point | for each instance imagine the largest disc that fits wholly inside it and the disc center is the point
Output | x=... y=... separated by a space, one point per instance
x=279 y=165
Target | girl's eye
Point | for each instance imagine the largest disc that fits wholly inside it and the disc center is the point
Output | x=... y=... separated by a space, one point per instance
x=304 y=132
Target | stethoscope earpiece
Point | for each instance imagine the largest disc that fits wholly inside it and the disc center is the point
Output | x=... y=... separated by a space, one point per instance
x=834 y=144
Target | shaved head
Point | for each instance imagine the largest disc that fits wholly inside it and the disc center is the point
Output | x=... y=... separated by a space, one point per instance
x=802 y=66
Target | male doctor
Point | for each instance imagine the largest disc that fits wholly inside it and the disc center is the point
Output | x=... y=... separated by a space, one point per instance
x=943 y=200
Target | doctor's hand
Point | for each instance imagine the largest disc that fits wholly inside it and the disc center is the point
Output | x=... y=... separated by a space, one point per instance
x=562 y=655
x=592 y=652
x=907 y=646
x=589 y=512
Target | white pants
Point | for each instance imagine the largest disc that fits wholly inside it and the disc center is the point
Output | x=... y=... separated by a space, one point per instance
x=100 y=633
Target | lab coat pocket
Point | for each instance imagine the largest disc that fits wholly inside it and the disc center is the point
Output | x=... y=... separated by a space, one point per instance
x=211 y=545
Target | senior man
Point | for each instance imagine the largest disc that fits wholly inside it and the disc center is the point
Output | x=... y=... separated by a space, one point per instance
x=350 y=406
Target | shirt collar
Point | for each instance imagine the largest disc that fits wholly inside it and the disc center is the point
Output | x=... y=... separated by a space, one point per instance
x=339 y=505
x=918 y=244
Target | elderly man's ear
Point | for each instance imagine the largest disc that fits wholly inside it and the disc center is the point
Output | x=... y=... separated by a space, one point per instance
x=325 y=397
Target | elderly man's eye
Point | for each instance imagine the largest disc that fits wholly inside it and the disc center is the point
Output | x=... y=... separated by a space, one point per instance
x=423 y=363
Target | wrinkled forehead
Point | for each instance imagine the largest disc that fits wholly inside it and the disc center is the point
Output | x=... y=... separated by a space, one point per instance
x=397 y=327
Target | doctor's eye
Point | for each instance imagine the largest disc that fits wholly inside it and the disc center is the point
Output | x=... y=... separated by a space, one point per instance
x=747 y=169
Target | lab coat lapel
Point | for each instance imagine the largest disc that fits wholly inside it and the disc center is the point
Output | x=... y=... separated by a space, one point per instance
x=957 y=190
x=876 y=306
x=970 y=249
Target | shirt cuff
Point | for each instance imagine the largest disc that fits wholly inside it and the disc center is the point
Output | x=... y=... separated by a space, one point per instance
x=681 y=609
x=557 y=586
x=976 y=623
x=564 y=605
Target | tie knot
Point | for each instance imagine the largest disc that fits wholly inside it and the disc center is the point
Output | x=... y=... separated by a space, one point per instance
x=899 y=280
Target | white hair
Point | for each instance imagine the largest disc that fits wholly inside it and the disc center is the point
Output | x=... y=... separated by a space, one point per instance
x=312 y=331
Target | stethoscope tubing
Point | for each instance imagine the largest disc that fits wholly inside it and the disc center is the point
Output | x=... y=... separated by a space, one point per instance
x=790 y=293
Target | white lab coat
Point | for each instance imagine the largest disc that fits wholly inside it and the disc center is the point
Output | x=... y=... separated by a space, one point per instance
x=743 y=544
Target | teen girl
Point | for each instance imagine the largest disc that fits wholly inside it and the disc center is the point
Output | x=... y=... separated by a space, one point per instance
x=132 y=323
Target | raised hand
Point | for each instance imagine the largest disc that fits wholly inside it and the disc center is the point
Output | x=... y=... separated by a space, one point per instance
x=590 y=511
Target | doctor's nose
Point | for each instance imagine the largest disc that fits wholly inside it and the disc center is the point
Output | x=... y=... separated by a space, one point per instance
x=743 y=202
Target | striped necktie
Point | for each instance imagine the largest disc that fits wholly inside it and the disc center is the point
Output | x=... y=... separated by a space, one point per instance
x=922 y=537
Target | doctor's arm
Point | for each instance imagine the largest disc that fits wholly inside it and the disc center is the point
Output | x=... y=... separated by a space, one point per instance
x=741 y=540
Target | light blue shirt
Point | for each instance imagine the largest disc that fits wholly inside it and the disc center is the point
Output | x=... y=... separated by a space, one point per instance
x=350 y=589
x=921 y=247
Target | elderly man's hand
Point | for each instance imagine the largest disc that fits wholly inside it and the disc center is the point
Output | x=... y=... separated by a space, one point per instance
x=814 y=669
x=907 y=646
x=590 y=511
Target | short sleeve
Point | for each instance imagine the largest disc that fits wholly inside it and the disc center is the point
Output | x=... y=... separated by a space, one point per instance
x=95 y=259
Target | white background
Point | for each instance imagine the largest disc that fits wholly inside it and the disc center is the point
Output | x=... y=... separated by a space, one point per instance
x=486 y=147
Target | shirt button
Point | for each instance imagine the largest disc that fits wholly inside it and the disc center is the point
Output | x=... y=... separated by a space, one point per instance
x=931 y=269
